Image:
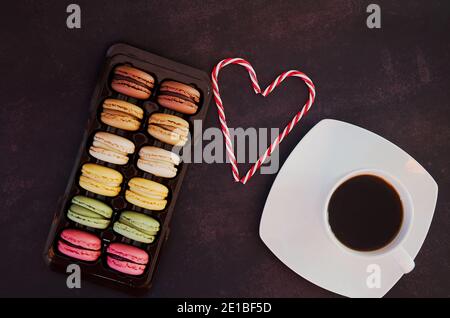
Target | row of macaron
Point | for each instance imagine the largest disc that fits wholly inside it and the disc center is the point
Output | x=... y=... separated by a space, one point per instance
x=138 y=84
x=106 y=181
x=115 y=149
x=85 y=246
x=93 y=213
x=167 y=128
x=96 y=214
x=141 y=192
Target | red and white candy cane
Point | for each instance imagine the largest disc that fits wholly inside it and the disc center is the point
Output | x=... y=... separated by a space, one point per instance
x=257 y=89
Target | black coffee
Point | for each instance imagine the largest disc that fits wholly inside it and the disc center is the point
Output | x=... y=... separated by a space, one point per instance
x=365 y=213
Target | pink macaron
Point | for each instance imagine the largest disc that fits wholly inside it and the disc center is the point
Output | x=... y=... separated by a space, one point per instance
x=126 y=259
x=79 y=245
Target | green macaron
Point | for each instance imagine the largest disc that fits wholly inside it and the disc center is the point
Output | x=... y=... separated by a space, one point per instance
x=89 y=212
x=137 y=226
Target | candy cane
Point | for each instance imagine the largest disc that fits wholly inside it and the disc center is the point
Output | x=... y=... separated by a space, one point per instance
x=266 y=92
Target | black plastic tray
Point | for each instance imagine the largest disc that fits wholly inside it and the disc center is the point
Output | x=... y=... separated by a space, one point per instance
x=161 y=69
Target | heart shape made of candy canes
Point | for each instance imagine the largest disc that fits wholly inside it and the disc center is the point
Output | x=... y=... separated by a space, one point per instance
x=222 y=119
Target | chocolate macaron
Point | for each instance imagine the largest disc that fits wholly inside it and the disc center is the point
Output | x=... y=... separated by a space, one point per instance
x=179 y=97
x=132 y=82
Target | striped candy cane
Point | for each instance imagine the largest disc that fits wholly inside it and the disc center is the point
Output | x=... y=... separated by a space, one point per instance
x=257 y=89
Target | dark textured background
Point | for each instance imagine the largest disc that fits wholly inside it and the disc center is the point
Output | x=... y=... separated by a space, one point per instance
x=393 y=81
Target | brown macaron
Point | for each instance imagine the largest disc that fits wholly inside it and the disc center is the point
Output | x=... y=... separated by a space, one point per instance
x=179 y=97
x=170 y=129
x=132 y=82
x=121 y=114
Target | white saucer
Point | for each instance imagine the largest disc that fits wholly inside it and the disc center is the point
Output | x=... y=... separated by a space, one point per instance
x=292 y=222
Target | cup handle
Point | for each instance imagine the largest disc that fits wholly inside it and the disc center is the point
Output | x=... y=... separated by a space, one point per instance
x=404 y=260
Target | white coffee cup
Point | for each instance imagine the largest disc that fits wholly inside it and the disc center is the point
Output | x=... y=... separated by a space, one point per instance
x=394 y=249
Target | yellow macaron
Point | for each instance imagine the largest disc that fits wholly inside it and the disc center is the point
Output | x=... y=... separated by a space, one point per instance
x=147 y=194
x=101 y=180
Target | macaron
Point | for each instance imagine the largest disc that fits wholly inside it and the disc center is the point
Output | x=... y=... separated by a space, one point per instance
x=147 y=194
x=178 y=97
x=89 y=212
x=158 y=161
x=121 y=114
x=170 y=129
x=101 y=180
x=111 y=148
x=79 y=245
x=137 y=226
x=132 y=82
x=126 y=259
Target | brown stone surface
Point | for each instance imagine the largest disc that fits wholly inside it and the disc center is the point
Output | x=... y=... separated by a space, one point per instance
x=393 y=81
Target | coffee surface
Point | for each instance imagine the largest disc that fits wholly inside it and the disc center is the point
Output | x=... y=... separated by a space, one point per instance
x=365 y=213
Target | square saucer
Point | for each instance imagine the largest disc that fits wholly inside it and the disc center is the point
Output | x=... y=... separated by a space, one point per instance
x=292 y=223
